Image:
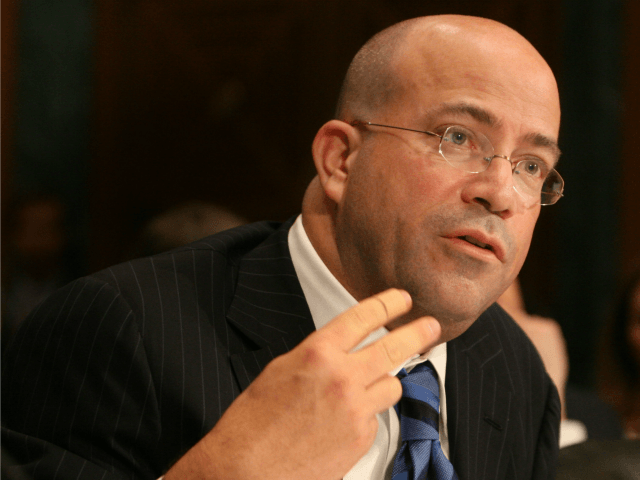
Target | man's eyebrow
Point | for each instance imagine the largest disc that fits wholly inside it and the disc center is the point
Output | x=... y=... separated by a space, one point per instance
x=540 y=140
x=466 y=109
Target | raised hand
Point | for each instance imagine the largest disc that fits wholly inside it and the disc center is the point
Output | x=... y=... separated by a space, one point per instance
x=312 y=412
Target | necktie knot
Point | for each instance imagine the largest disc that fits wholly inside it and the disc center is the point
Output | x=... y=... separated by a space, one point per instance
x=420 y=455
x=419 y=407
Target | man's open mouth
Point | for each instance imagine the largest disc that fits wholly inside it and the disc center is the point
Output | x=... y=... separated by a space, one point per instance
x=476 y=242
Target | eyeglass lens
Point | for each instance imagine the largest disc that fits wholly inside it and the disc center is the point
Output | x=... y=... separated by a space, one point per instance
x=533 y=179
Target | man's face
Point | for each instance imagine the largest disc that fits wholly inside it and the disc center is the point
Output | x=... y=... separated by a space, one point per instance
x=411 y=220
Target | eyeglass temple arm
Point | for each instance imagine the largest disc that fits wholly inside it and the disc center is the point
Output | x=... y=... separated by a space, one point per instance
x=356 y=123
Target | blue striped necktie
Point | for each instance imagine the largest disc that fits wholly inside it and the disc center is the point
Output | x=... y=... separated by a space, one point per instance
x=420 y=456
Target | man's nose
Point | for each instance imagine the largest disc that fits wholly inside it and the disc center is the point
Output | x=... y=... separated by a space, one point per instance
x=494 y=188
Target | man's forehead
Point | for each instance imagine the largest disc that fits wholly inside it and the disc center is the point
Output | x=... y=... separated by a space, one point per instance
x=450 y=71
x=437 y=56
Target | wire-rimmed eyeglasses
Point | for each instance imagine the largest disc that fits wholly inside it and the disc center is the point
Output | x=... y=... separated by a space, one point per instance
x=533 y=178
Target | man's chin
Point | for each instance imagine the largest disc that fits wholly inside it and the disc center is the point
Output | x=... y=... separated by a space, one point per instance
x=450 y=310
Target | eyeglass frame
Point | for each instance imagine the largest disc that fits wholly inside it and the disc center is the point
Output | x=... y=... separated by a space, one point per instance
x=558 y=196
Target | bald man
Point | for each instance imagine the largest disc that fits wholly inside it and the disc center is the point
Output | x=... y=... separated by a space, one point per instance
x=270 y=351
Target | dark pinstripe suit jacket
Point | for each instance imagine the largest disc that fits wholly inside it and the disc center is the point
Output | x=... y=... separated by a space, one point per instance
x=119 y=373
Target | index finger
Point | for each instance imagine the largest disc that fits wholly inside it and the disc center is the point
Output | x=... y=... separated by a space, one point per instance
x=351 y=327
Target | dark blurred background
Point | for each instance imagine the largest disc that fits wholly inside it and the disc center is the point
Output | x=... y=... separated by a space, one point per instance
x=115 y=110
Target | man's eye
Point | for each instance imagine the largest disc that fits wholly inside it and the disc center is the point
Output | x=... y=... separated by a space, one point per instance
x=534 y=168
x=458 y=138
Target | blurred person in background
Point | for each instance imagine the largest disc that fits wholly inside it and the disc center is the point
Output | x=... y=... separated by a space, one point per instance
x=35 y=263
x=546 y=335
x=183 y=223
x=619 y=375
x=584 y=416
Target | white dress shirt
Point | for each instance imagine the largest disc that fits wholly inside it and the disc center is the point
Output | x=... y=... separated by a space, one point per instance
x=327 y=298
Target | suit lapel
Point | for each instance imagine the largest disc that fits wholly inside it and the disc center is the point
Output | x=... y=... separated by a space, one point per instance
x=268 y=306
x=480 y=398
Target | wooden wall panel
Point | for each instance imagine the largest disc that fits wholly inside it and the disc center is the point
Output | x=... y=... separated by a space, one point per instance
x=216 y=101
x=630 y=175
x=9 y=61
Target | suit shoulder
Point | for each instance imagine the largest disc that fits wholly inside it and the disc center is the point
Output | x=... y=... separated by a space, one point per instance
x=215 y=252
x=151 y=284
x=237 y=241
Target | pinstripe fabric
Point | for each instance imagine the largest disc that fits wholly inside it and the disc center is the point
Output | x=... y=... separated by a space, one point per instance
x=504 y=412
x=117 y=374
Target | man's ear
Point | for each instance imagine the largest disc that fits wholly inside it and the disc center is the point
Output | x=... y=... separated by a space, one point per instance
x=334 y=148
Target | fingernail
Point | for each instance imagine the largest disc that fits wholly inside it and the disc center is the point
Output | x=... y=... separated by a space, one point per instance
x=407 y=297
x=434 y=325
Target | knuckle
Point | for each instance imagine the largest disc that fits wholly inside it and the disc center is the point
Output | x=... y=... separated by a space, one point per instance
x=371 y=308
x=392 y=351
x=339 y=387
x=380 y=306
x=319 y=361
x=393 y=302
x=315 y=354
x=360 y=317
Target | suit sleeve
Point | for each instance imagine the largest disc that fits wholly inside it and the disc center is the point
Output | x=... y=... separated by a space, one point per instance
x=78 y=396
x=546 y=454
